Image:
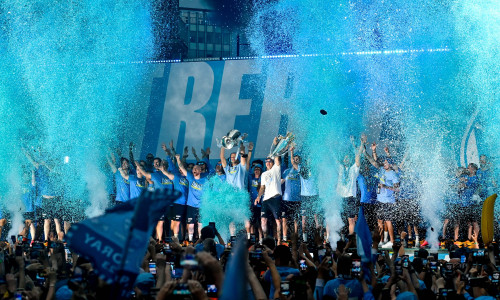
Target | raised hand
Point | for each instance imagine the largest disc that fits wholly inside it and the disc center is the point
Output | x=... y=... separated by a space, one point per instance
x=164 y=147
x=373 y=147
x=250 y=146
x=364 y=138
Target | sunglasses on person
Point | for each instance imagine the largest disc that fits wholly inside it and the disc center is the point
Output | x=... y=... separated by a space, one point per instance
x=269 y=161
x=150 y=157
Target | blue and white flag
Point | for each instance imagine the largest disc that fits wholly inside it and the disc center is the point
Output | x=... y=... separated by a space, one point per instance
x=116 y=242
x=363 y=238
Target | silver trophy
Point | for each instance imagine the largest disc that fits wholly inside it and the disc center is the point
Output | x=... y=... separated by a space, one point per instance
x=284 y=142
x=233 y=138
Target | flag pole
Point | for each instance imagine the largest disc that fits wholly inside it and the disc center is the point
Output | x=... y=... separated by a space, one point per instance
x=141 y=198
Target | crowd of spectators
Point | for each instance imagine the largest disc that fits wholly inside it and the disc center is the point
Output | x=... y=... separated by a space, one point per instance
x=289 y=258
x=312 y=270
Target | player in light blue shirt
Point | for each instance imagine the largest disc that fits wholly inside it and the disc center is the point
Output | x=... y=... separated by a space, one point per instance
x=388 y=184
x=196 y=183
x=308 y=192
x=161 y=182
x=290 y=206
x=236 y=171
x=237 y=175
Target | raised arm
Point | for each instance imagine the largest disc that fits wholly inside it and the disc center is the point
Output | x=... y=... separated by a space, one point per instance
x=185 y=154
x=164 y=170
x=249 y=158
x=276 y=158
x=387 y=152
x=194 y=154
x=358 y=154
x=111 y=164
x=222 y=158
x=292 y=160
x=141 y=170
x=30 y=158
x=374 y=151
x=131 y=152
x=181 y=165
x=353 y=143
x=243 y=156
x=166 y=150
x=370 y=159
x=123 y=173
x=172 y=149
x=403 y=161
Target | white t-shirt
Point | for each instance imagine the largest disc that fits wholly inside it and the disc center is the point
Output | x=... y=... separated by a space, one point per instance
x=272 y=180
x=346 y=185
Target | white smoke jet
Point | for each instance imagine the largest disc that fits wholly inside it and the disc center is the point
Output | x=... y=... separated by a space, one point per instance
x=427 y=156
x=13 y=202
x=96 y=187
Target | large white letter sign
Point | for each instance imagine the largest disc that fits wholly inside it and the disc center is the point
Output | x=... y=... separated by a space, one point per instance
x=230 y=104
x=178 y=110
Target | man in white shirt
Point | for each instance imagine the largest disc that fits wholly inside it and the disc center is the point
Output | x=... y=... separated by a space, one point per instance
x=271 y=189
x=346 y=188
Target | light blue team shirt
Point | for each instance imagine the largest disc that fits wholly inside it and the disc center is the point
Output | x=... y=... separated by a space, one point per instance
x=308 y=185
x=181 y=184
x=122 y=188
x=137 y=185
x=195 y=190
x=389 y=178
x=292 y=185
x=237 y=176
x=161 y=181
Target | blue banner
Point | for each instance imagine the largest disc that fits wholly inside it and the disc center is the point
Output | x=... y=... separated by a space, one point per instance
x=116 y=242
